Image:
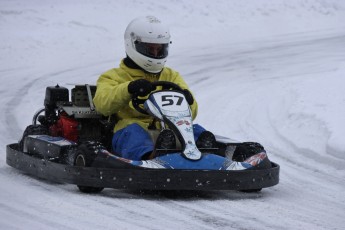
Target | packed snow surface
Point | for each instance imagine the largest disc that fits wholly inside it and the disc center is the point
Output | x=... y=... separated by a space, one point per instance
x=271 y=71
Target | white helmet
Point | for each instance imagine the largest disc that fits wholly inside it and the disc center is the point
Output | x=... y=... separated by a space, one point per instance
x=147 y=43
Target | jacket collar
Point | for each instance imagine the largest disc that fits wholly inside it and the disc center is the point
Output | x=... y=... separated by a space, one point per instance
x=133 y=69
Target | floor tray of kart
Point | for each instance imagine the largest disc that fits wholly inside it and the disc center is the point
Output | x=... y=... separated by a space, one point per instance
x=72 y=145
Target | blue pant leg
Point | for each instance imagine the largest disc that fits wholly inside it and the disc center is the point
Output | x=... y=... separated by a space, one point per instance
x=198 y=129
x=132 y=142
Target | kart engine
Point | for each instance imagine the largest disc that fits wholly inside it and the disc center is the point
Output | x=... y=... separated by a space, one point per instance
x=77 y=120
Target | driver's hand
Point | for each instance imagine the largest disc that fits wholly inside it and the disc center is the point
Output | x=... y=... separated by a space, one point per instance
x=140 y=87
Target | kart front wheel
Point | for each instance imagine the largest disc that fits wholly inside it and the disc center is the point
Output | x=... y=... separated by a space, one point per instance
x=247 y=150
x=251 y=190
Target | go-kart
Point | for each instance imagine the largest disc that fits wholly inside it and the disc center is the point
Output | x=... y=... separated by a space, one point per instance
x=72 y=144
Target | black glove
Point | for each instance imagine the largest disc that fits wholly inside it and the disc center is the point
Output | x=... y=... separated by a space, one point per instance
x=189 y=97
x=140 y=87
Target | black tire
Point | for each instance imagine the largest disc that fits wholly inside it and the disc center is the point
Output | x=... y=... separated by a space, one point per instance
x=251 y=190
x=32 y=130
x=246 y=150
x=84 y=156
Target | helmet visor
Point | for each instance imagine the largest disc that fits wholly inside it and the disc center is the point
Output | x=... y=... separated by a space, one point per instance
x=152 y=50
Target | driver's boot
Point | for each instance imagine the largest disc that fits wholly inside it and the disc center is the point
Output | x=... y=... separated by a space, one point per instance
x=206 y=140
x=165 y=141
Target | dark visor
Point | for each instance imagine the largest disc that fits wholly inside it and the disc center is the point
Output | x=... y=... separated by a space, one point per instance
x=152 y=50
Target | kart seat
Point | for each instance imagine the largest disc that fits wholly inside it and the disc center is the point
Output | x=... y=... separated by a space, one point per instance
x=80 y=96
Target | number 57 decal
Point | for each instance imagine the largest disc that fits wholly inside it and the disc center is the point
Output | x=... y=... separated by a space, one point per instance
x=170 y=100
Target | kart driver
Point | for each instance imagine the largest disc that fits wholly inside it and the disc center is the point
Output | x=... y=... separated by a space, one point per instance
x=147 y=43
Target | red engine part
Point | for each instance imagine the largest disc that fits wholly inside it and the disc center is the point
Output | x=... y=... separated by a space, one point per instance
x=65 y=127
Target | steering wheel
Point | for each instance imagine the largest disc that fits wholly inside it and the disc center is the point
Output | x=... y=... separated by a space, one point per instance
x=166 y=85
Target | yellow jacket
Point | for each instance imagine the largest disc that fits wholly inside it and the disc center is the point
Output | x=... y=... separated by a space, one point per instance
x=112 y=95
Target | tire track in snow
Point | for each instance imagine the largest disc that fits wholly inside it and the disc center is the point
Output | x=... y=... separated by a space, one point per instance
x=316 y=176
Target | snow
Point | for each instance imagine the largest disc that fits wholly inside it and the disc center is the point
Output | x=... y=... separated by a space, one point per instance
x=264 y=70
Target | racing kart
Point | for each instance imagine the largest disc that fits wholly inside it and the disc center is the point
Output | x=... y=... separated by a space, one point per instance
x=70 y=142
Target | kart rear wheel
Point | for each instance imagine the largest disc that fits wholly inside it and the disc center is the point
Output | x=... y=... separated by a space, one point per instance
x=32 y=130
x=85 y=156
